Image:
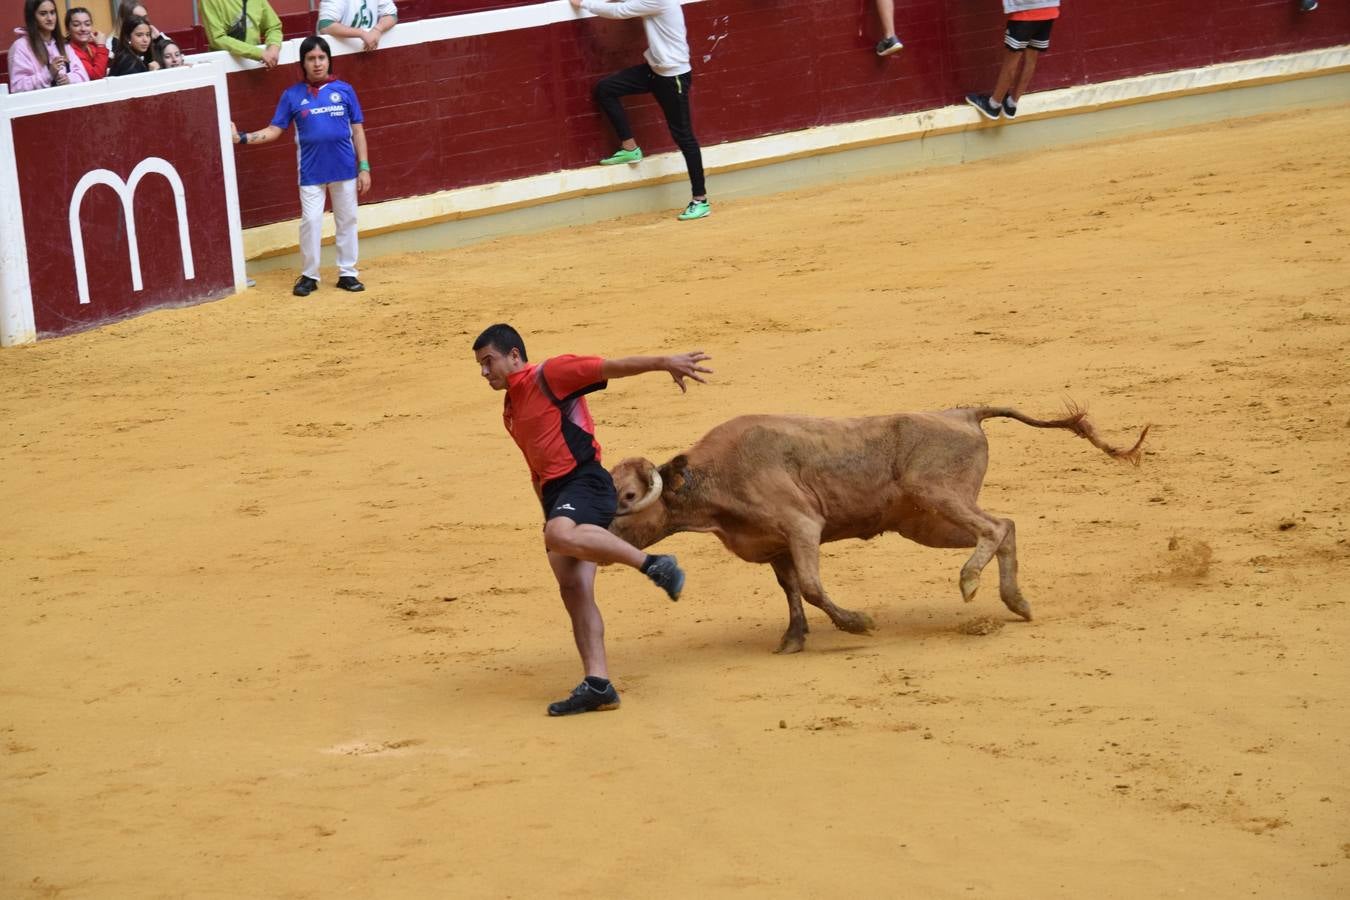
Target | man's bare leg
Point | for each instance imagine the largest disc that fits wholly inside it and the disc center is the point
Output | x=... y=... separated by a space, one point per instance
x=594 y=544
x=886 y=13
x=590 y=543
x=576 y=583
x=1007 y=75
x=1024 y=76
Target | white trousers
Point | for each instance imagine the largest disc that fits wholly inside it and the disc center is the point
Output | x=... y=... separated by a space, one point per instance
x=343 y=194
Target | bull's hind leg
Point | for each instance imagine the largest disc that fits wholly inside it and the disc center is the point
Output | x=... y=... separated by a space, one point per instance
x=805 y=549
x=1008 y=590
x=967 y=521
x=794 y=639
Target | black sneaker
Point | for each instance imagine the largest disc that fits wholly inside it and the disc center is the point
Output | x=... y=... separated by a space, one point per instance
x=887 y=46
x=586 y=699
x=1307 y=5
x=986 y=106
x=1009 y=107
x=349 y=283
x=666 y=574
x=304 y=286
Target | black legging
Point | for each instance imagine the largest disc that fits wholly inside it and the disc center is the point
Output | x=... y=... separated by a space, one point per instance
x=673 y=95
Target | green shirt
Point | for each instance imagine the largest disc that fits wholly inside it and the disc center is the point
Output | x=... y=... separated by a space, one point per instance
x=262 y=26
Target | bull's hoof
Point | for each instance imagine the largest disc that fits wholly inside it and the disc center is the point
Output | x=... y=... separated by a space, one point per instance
x=791 y=643
x=969 y=585
x=855 y=622
x=1018 y=605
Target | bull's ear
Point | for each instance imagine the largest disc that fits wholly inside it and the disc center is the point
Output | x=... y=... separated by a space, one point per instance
x=672 y=474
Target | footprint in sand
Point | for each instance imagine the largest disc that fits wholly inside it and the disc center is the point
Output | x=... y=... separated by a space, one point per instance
x=374 y=748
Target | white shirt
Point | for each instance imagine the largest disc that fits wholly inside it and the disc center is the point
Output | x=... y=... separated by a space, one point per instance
x=667 y=47
x=361 y=14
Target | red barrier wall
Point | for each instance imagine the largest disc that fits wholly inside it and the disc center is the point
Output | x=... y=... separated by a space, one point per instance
x=51 y=161
x=496 y=107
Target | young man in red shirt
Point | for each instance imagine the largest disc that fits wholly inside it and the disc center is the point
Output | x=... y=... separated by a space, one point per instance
x=546 y=413
x=1029 y=26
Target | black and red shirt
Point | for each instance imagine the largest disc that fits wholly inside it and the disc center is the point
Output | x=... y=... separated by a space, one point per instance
x=546 y=414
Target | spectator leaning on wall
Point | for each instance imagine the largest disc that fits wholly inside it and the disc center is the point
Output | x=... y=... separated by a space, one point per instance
x=170 y=56
x=39 y=58
x=368 y=20
x=87 y=42
x=1029 y=24
x=666 y=75
x=240 y=26
x=333 y=160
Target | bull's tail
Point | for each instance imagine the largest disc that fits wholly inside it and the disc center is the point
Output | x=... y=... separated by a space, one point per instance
x=1077 y=422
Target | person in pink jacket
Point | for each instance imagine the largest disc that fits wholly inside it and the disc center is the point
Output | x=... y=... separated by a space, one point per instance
x=40 y=57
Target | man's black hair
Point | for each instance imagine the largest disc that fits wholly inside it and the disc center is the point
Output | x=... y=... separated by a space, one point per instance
x=502 y=338
x=309 y=44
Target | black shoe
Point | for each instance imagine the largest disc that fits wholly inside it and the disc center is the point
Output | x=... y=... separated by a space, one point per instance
x=1307 y=5
x=666 y=574
x=304 y=286
x=887 y=46
x=586 y=699
x=985 y=105
x=1009 y=107
x=349 y=283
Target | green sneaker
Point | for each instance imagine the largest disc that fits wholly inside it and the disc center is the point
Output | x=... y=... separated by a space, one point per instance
x=632 y=157
x=696 y=209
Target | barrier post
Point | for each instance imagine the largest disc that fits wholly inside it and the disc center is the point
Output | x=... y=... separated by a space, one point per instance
x=16 y=301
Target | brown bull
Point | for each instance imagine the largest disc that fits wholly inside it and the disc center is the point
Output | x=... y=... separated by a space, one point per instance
x=774 y=488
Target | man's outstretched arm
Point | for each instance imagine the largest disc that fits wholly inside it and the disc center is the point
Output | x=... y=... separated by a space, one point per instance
x=680 y=367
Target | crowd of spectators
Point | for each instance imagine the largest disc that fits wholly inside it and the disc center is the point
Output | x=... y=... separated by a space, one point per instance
x=43 y=57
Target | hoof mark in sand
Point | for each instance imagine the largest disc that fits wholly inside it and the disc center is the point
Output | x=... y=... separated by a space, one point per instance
x=373 y=748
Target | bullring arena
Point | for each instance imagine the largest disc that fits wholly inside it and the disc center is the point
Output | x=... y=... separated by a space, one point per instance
x=277 y=620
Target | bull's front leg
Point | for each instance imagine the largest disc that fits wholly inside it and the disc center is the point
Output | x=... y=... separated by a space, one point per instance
x=794 y=639
x=805 y=549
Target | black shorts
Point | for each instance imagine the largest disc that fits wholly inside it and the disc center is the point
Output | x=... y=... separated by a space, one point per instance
x=585 y=495
x=1021 y=35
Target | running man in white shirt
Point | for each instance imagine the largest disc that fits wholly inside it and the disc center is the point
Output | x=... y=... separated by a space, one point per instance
x=666 y=74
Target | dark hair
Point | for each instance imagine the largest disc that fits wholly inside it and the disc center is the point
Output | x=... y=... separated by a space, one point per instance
x=75 y=11
x=159 y=49
x=35 y=41
x=310 y=43
x=502 y=338
x=130 y=24
x=124 y=9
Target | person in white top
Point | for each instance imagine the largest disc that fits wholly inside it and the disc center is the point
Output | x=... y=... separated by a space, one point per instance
x=368 y=20
x=666 y=74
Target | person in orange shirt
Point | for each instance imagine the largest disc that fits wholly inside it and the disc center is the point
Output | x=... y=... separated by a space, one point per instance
x=1029 y=25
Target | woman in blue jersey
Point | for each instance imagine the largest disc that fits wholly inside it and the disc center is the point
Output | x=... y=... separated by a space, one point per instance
x=333 y=160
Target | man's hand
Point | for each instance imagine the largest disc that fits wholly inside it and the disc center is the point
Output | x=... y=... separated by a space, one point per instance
x=362 y=182
x=371 y=39
x=271 y=55
x=576 y=4
x=234 y=133
x=686 y=365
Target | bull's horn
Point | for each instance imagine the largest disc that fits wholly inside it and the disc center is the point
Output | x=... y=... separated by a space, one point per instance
x=648 y=498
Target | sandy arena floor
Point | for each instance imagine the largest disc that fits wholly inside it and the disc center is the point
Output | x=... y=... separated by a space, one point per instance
x=277 y=621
